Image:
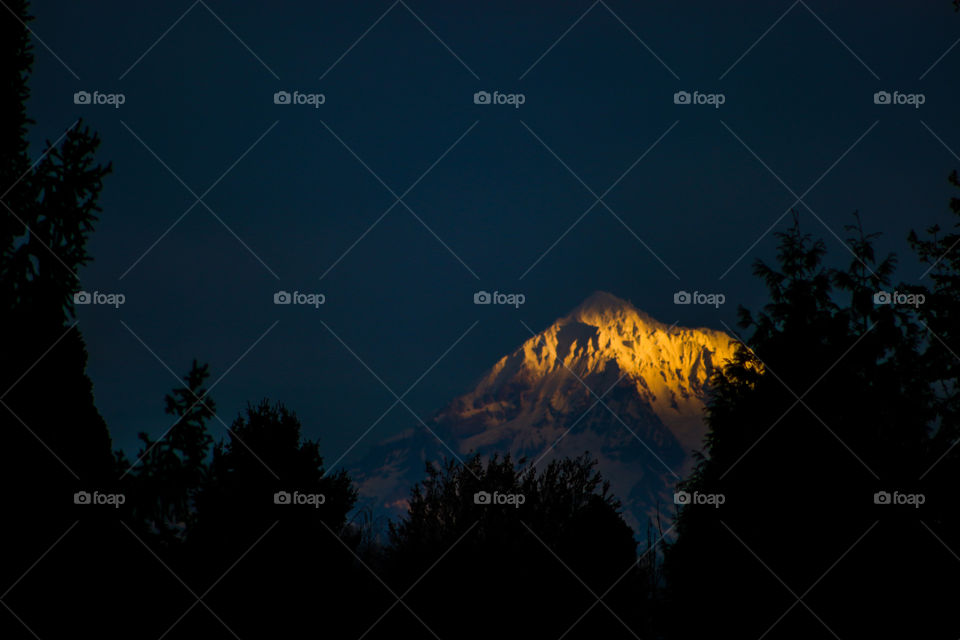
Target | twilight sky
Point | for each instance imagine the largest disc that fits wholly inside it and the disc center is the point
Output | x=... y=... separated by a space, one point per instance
x=493 y=196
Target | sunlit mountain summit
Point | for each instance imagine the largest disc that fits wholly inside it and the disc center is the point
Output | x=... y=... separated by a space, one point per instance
x=606 y=378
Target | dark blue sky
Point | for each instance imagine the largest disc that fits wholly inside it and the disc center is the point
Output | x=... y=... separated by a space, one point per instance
x=198 y=98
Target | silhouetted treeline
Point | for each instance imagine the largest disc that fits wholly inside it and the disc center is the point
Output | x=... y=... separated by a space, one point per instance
x=831 y=439
x=824 y=503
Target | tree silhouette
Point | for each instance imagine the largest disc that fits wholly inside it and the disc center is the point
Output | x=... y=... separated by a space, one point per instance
x=825 y=405
x=169 y=472
x=535 y=564
x=248 y=508
x=54 y=441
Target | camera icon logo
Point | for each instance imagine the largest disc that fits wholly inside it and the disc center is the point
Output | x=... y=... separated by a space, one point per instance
x=281 y=97
x=882 y=297
x=682 y=297
x=681 y=97
x=681 y=497
x=81 y=497
x=881 y=97
x=81 y=97
x=482 y=297
x=281 y=497
x=282 y=297
x=482 y=497
x=481 y=97
x=881 y=497
x=81 y=297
